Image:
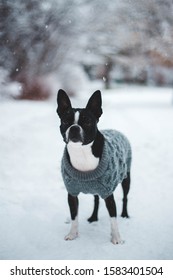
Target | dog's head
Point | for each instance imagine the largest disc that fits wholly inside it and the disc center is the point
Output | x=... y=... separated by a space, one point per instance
x=80 y=124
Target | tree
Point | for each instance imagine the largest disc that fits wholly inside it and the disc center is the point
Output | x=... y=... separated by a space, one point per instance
x=135 y=35
x=34 y=40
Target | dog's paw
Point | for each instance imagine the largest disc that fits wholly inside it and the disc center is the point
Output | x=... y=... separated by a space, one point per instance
x=71 y=236
x=92 y=219
x=117 y=240
x=125 y=215
x=115 y=235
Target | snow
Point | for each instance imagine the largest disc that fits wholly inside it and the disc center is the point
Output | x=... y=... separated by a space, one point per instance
x=34 y=212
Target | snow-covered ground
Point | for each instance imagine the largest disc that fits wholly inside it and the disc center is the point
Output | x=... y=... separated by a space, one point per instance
x=33 y=204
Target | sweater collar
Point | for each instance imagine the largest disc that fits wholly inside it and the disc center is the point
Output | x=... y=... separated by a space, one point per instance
x=88 y=175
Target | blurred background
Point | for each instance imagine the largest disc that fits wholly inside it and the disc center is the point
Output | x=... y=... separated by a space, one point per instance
x=45 y=45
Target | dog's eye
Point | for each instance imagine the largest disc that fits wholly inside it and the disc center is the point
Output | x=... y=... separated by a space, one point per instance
x=87 y=122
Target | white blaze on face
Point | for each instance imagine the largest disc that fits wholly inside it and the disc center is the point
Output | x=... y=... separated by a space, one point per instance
x=76 y=117
x=75 y=122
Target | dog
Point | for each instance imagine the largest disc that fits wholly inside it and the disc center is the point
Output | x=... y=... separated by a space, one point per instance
x=93 y=162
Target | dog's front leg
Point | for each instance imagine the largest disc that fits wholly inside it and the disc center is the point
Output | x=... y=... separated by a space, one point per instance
x=73 y=205
x=111 y=206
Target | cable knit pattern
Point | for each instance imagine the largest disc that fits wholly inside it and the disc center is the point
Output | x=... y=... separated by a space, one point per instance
x=112 y=169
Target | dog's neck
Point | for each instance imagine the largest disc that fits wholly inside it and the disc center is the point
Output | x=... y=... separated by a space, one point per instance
x=86 y=157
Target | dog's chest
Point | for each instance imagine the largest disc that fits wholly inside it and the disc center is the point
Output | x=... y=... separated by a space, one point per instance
x=81 y=157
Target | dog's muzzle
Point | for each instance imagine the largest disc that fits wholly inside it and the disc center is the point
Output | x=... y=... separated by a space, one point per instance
x=74 y=134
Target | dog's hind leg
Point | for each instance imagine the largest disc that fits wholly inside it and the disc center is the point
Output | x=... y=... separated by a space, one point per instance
x=94 y=216
x=111 y=206
x=126 y=187
x=73 y=205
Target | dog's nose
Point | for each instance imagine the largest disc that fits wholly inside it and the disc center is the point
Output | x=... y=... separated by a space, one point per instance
x=75 y=133
x=74 y=129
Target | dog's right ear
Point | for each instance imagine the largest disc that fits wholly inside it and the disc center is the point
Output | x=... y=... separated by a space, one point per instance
x=63 y=102
x=95 y=104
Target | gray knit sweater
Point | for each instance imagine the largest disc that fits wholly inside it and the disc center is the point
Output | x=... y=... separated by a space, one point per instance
x=112 y=169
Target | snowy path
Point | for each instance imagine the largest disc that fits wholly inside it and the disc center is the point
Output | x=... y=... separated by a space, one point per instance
x=33 y=207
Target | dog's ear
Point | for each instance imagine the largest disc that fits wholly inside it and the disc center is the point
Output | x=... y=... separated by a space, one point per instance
x=63 y=102
x=95 y=104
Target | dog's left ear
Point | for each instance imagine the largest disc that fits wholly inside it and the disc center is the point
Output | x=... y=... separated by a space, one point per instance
x=63 y=102
x=95 y=104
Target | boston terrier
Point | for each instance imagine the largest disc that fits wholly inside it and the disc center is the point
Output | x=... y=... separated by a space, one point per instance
x=93 y=162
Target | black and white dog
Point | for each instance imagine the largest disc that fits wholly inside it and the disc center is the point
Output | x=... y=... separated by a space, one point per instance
x=92 y=160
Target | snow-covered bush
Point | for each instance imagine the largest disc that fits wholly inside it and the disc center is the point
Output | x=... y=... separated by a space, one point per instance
x=8 y=88
x=73 y=78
